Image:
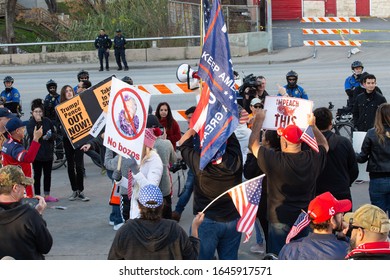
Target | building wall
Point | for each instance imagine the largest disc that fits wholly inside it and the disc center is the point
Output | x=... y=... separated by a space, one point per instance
x=313 y=8
x=346 y=8
x=380 y=8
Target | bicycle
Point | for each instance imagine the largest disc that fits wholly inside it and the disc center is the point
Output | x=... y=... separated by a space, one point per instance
x=342 y=122
x=59 y=158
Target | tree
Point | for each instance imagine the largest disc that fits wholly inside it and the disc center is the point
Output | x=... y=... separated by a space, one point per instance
x=10 y=13
x=51 y=6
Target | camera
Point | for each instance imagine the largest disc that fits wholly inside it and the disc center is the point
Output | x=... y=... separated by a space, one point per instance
x=178 y=165
x=250 y=82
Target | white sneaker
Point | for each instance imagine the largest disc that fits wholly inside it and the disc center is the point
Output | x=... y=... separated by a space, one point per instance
x=258 y=248
x=111 y=223
x=118 y=226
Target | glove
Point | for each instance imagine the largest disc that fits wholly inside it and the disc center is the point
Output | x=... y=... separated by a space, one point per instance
x=133 y=165
x=116 y=175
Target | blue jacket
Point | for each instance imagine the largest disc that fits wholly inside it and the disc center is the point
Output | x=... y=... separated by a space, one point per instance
x=315 y=247
x=296 y=91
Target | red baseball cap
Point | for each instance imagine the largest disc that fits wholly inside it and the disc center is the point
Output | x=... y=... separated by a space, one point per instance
x=291 y=133
x=325 y=206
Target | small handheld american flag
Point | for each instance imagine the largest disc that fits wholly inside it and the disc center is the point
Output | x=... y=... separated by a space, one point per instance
x=301 y=222
x=309 y=138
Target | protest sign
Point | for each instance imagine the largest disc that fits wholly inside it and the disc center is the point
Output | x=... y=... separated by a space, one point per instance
x=79 y=114
x=282 y=111
x=126 y=119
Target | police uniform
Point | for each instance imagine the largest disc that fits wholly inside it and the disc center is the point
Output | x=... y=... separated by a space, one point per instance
x=119 y=50
x=103 y=44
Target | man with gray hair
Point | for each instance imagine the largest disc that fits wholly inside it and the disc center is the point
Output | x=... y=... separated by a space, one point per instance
x=23 y=232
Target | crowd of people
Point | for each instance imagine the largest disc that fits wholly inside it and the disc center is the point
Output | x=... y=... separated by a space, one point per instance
x=299 y=181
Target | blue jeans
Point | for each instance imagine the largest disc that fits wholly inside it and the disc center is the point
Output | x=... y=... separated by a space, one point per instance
x=277 y=233
x=186 y=195
x=115 y=215
x=259 y=236
x=220 y=236
x=379 y=190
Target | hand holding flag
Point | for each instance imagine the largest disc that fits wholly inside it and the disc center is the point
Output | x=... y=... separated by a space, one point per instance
x=309 y=138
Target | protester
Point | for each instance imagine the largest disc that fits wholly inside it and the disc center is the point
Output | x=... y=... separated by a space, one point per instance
x=82 y=75
x=14 y=153
x=150 y=237
x=341 y=168
x=120 y=50
x=23 y=232
x=185 y=196
x=326 y=216
x=292 y=175
x=103 y=44
x=168 y=157
x=218 y=230
x=74 y=157
x=270 y=140
x=44 y=158
x=5 y=116
x=370 y=228
x=292 y=89
x=131 y=177
x=376 y=150
x=366 y=104
x=164 y=115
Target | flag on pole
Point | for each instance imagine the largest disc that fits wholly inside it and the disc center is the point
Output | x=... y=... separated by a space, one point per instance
x=246 y=198
x=301 y=222
x=216 y=116
x=206 y=15
x=309 y=138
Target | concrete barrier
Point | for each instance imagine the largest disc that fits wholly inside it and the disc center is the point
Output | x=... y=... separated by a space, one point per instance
x=241 y=44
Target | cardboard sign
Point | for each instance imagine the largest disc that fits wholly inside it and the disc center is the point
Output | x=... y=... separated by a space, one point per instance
x=79 y=114
x=282 y=111
x=126 y=119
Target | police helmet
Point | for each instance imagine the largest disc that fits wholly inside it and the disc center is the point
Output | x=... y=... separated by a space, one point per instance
x=82 y=74
x=8 y=79
x=292 y=74
x=51 y=83
x=356 y=63
x=128 y=80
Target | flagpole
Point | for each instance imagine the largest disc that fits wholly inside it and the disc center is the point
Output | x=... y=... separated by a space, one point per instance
x=201 y=39
x=253 y=179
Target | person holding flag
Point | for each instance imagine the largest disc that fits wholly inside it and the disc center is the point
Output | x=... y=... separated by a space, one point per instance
x=218 y=230
x=291 y=175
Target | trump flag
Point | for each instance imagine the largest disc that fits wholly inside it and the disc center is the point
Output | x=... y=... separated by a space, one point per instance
x=216 y=116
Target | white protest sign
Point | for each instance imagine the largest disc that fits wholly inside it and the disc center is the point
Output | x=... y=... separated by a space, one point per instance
x=283 y=111
x=126 y=120
x=358 y=138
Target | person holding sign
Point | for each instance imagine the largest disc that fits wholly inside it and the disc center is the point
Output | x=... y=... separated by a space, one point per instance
x=291 y=176
x=131 y=177
x=74 y=157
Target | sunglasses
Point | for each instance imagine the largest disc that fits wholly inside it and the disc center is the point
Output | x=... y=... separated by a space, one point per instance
x=257 y=106
x=292 y=79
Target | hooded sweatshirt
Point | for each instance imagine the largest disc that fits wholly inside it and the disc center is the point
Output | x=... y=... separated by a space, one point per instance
x=141 y=239
x=23 y=232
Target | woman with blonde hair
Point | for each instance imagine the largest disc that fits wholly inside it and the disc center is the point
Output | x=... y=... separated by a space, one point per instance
x=376 y=150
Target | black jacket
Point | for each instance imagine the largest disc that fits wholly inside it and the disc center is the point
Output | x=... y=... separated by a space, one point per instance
x=341 y=168
x=376 y=154
x=45 y=152
x=364 y=109
x=215 y=179
x=23 y=232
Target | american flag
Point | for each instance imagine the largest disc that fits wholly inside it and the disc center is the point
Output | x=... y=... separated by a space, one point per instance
x=301 y=222
x=309 y=139
x=246 y=198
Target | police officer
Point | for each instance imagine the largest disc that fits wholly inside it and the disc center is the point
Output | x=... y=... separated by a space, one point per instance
x=119 y=49
x=52 y=99
x=103 y=44
x=11 y=96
